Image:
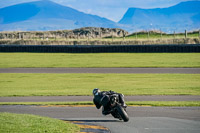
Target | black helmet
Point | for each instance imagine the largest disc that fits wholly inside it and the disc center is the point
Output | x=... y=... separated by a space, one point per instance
x=96 y=91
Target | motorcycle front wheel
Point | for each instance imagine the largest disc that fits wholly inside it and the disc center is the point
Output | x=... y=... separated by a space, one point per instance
x=122 y=113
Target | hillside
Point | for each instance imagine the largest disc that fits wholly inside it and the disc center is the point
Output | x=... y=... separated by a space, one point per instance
x=185 y=15
x=47 y=15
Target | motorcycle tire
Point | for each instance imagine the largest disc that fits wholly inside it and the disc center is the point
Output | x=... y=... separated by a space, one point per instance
x=122 y=113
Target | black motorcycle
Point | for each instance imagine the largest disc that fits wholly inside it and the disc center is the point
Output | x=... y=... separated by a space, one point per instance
x=117 y=110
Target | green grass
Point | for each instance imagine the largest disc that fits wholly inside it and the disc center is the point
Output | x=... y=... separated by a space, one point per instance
x=83 y=84
x=23 y=123
x=129 y=103
x=10 y=60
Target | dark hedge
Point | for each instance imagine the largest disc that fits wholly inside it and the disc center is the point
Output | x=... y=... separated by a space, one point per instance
x=102 y=48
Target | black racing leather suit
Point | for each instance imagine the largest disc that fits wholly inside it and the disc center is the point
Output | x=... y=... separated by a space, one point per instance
x=103 y=98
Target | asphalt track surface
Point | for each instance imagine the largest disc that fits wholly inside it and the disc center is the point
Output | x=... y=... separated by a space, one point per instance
x=142 y=119
x=101 y=70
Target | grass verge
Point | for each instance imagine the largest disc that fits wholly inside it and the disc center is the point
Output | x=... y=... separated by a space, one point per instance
x=33 y=60
x=23 y=123
x=20 y=84
x=129 y=103
x=48 y=103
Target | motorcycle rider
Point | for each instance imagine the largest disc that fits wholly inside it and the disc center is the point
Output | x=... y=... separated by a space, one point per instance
x=102 y=98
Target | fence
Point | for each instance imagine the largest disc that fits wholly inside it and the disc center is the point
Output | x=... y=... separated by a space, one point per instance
x=102 y=48
x=162 y=35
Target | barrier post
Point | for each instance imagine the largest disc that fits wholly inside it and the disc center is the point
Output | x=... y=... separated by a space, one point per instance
x=112 y=36
x=99 y=32
x=19 y=37
x=123 y=35
x=199 y=33
x=185 y=33
x=174 y=34
x=136 y=35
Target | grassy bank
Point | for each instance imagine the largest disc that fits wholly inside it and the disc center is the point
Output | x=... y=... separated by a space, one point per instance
x=132 y=40
x=157 y=35
x=82 y=84
x=129 y=103
x=99 y=60
x=22 y=123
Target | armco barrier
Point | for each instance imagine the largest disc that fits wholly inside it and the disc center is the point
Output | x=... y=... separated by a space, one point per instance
x=102 y=48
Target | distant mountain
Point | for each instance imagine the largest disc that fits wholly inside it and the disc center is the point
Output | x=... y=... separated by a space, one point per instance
x=185 y=15
x=47 y=15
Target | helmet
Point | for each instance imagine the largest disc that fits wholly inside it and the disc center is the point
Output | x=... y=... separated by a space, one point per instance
x=96 y=91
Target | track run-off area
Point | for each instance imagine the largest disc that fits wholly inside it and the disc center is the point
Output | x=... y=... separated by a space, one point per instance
x=145 y=119
x=142 y=119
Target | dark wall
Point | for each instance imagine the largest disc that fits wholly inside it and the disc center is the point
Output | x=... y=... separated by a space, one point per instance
x=101 y=48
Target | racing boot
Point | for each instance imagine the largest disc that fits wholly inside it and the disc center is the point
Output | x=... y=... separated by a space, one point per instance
x=105 y=111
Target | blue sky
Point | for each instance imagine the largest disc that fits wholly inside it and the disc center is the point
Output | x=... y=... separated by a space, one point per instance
x=111 y=9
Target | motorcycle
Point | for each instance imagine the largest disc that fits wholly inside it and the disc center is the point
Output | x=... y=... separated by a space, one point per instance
x=117 y=110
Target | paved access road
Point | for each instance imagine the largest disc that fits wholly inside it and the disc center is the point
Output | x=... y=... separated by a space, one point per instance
x=90 y=98
x=142 y=119
x=100 y=70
